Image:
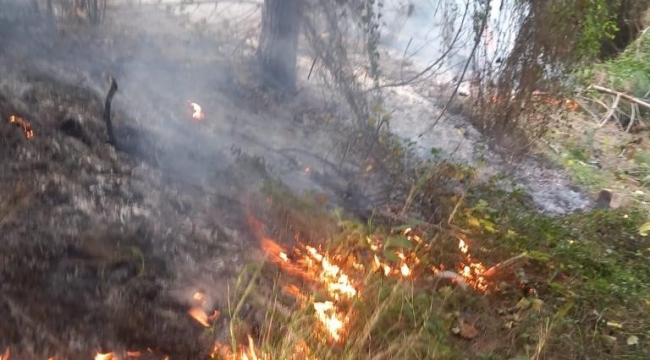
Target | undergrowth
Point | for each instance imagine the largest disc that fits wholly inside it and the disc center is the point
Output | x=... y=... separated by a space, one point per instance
x=582 y=293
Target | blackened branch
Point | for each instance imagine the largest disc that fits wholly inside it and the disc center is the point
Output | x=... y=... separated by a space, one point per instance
x=107 y=112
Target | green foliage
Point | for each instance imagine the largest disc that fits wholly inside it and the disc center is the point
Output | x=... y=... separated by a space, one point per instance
x=629 y=72
x=598 y=24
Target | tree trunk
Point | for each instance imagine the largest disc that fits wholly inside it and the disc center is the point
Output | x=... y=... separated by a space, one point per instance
x=278 y=47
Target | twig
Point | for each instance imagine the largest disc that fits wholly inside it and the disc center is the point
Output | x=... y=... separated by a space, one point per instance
x=632 y=117
x=450 y=275
x=585 y=108
x=610 y=111
x=107 y=112
x=312 y=67
x=510 y=263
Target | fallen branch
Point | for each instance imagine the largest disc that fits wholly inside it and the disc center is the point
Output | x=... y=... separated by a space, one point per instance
x=453 y=277
x=107 y=112
x=635 y=102
x=625 y=96
x=512 y=263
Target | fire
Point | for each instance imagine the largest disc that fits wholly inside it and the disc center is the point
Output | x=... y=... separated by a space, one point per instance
x=6 y=354
x=250 y=352
x=471 y=270
x=199 y=315
x=26 y=125
x=404 y=269
x=106 y=356
x=197 y=112
x=317 y=267
x=331 y=317
x=338 y=283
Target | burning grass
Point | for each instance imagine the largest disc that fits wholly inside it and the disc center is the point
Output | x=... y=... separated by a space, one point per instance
x=406 y=291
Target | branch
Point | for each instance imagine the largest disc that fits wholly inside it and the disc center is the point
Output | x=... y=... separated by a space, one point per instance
x=107 y=112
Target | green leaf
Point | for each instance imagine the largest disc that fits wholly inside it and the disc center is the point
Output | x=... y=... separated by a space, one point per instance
x=390 y=256
x=644 y=229
x=472 y=221
x=398 y=242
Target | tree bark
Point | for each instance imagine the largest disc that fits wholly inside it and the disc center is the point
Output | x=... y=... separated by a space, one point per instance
x=278 y=46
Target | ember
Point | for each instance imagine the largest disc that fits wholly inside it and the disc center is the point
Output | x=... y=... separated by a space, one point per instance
x=27 y=127
x=197 y=113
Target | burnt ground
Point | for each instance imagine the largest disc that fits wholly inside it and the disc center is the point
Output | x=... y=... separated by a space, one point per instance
x=102 y=247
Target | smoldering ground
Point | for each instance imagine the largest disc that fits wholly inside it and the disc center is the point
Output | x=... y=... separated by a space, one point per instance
x=102 y=245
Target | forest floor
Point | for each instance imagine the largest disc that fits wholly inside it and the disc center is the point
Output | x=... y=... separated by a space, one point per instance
x=156 y=247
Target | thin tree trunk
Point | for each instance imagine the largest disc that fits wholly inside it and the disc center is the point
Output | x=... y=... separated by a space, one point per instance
x=278 y=48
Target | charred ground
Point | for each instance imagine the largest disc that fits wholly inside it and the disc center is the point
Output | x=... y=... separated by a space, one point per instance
x=104 y=245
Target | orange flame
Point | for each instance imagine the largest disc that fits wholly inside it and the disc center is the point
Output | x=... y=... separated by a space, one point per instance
x=27 y=127
x=106 y=356
x=199 y=315
x=331 y=318
x=197 y=112
x=250 y=352
x=6 y=354
x=473 y=271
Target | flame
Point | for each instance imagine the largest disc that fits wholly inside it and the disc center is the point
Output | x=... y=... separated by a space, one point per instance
x=404 y=269
x=462 y=245
x=339 y=276
x=199 y=315
x=331 y=318
x=250 y=352
x=197 y=113
x=106 y=356
x=6 y=354
x=26 y=125
x=473 y=271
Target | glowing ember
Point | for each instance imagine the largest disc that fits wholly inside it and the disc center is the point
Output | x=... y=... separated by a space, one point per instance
x=106 y=356
x=197 y=113
x=283 y=256
x=27 y=127
x=133 y=354
x=199 y=315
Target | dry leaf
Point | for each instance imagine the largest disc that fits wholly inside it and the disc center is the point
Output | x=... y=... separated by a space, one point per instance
x=467 y=330
x=633 y=340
